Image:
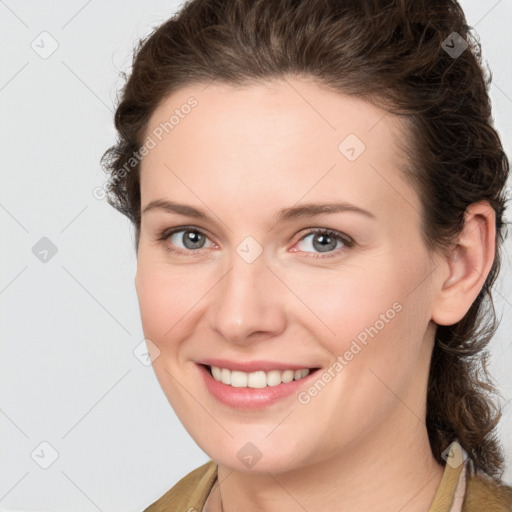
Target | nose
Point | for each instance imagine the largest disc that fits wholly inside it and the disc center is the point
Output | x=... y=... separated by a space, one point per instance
x=248 y=303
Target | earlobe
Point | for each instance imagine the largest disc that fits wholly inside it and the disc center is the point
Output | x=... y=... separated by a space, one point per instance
x=469 y=263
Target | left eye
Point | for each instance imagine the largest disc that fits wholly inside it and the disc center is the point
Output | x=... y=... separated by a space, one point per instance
x=323 y=241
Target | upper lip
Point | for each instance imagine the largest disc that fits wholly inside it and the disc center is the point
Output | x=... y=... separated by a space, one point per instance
x=252 y=366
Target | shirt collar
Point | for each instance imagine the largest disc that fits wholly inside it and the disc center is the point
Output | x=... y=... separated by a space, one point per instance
x=452 y=489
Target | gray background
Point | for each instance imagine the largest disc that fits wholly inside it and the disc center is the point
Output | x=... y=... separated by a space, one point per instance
x=68 y=374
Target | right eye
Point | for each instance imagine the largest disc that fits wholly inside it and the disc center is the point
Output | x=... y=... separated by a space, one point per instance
x=190 y=237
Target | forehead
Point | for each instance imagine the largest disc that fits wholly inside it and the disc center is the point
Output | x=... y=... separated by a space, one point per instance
x=280 y=141
x=289 y=108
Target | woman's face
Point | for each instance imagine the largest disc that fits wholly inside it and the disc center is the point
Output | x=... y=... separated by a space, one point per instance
x=246 y=283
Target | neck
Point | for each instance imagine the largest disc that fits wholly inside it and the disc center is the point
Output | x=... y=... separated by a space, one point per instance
x=388 y=471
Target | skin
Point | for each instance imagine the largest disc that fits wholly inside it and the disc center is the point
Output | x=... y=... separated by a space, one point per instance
x=242 y=154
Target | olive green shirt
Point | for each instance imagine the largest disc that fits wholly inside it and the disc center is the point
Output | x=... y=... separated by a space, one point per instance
x=455 y=493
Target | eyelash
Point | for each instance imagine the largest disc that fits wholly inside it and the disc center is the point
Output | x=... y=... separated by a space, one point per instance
x=348 y=242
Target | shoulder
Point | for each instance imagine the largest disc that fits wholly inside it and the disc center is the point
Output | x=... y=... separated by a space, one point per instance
x=486 y=494
x=190 y=492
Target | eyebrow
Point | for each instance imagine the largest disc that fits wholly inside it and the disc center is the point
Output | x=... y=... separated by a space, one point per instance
x=286 y=214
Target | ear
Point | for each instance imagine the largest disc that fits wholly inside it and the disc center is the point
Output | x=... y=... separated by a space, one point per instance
x=467 y=265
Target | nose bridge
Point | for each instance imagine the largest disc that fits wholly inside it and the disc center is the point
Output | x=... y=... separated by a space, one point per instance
x=246 y=300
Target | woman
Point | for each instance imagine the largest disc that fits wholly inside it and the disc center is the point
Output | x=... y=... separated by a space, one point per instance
x=318 y=195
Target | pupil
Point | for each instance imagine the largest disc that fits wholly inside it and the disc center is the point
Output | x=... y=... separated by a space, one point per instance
x=193 y=239
x=329 y=245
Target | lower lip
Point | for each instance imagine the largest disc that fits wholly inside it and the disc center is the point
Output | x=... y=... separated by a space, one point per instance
x=251 y=398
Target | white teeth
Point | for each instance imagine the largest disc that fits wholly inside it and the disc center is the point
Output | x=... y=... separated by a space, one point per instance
x=258 y=379
x=287 y=376
x=225 y=376
x=273 y=378
x=255 y=379
x=216 y=372
x=238 y=379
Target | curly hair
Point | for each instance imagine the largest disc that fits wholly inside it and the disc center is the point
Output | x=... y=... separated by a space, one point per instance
x=401 y=56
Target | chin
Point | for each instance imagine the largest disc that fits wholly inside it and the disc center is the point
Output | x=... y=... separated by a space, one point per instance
x=262 y=466
x=254 y=458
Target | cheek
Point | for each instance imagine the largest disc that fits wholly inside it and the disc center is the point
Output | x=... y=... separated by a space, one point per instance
x=353 y=310
x=348 y=301
x=166 y=300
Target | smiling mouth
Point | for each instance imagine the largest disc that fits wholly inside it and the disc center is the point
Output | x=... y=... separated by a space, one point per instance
x=258 y=379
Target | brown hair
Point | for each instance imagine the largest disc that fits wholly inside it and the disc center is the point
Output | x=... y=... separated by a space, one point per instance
x=396 y=54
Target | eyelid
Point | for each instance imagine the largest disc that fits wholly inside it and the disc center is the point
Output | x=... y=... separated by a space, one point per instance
x=348 y=242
